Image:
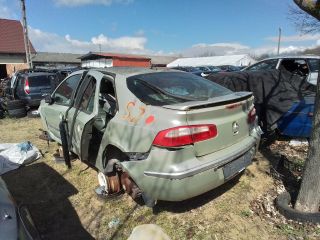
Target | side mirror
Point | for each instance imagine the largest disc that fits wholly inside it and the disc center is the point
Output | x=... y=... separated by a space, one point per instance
x=48 y=99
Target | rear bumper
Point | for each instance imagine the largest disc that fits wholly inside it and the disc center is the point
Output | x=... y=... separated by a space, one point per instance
x=179 y=175
x=229 y=157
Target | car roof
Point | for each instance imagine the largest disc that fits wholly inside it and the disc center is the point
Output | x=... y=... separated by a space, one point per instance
x=34 y=74
x=295 y=57
x=124 y=71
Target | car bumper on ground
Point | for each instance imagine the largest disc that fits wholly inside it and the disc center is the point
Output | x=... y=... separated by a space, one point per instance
x=186 y=175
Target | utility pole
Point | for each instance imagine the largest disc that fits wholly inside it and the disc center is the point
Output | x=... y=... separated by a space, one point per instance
x=25 y=34
x=279 y=40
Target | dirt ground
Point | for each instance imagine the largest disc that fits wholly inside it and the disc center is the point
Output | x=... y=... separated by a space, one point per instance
x=64 y=205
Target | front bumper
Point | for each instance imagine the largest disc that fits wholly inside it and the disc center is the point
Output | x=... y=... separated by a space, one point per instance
x=179 y=175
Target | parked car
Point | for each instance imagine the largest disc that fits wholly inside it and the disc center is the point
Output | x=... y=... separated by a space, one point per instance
x=32 y=87
x=206 y=70
x=297 y=121
x=302 y=65
x=192 y=70
x=165 y=135
x=229 y=68
x=16 y=221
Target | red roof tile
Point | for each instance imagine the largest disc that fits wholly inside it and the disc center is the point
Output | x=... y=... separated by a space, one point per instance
x=11 y=37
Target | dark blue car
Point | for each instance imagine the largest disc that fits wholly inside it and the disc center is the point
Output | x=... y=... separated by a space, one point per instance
x=190 y=70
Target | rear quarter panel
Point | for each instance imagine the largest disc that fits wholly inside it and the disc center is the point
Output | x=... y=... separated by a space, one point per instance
x=136 y=124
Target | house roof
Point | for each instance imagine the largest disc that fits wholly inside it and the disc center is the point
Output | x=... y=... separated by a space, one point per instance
x=95 y=55
x=11 y=37
x=49 y=57
x=236 y=60
x=161 y=60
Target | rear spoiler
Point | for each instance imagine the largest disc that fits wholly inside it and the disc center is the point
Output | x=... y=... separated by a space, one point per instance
x=212 y=102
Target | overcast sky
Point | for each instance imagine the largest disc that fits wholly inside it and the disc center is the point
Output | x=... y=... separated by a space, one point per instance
x=189 y=28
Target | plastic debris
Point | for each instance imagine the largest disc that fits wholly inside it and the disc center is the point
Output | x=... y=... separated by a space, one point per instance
x=13 y=155
x=298 y=143
x=114 y=223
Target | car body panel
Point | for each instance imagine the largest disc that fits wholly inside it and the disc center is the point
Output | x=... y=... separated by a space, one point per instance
x=166 y=173
x=298 y=120
x=15 y=222
x=9 y=221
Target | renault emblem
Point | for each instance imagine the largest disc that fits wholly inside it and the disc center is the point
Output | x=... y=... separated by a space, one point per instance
x=235 y=128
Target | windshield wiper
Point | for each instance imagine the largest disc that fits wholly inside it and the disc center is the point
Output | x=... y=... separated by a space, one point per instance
x=157 y=89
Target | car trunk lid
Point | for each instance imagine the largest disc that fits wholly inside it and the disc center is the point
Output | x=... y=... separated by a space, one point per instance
x=228 y=113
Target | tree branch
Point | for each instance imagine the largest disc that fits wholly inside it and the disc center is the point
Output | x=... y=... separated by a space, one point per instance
x=309 y=6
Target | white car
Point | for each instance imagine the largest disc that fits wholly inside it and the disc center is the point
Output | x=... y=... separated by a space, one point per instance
x=303 y=65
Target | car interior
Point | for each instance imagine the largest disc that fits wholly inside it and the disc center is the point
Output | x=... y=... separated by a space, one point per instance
x=106 y=111
x=295 y=66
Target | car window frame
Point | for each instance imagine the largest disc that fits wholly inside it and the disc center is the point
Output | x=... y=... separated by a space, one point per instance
x=72 y=94
x=307 y=60
x=263 y=61
x=93 y=94
x=295 y=59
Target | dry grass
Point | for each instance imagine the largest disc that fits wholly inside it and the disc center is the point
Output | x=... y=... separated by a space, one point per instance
x=65 y=206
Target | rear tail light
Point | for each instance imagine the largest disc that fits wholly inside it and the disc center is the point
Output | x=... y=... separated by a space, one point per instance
x=26 y=86
x=185 y=135
x=252 y=115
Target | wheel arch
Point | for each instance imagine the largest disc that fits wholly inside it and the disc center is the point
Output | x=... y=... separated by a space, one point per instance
x=112 y=155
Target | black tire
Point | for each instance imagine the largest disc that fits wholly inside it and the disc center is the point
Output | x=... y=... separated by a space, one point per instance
x=282 y=204
x=15 y=104
x=1 y=114
x=17 y=113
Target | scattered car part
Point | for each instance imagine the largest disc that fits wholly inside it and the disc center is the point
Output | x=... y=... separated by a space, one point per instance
x=110 y=182
x=64 y=143
x=129 y=186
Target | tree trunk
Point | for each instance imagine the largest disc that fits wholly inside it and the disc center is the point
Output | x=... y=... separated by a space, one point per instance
x=309 y=193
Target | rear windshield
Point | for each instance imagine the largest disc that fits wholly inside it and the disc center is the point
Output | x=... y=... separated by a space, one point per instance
x=42 y=80
x=165 y=88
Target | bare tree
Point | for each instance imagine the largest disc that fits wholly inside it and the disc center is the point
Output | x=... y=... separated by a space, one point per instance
x=309 y=194
x=304 y=22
